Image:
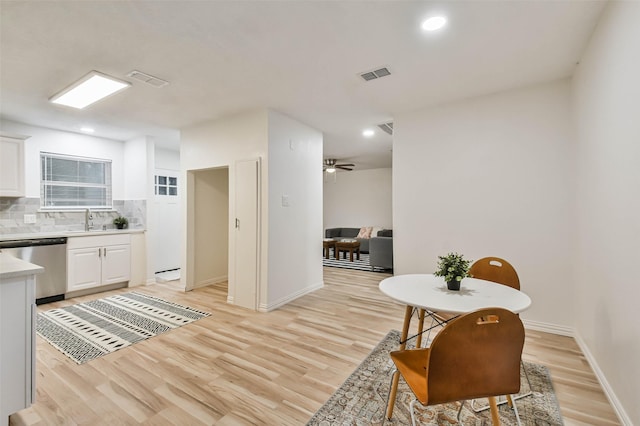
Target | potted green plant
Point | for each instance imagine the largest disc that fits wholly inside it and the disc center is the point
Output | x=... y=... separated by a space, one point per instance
x=453 y=267
x=120 y=222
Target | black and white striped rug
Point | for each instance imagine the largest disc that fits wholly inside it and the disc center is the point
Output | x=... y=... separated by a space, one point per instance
x=90 y=330
x=360 y=265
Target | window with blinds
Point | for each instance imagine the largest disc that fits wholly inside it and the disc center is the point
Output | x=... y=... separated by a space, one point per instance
x=74 y=182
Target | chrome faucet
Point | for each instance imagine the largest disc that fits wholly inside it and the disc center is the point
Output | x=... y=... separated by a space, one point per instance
x=88 y=220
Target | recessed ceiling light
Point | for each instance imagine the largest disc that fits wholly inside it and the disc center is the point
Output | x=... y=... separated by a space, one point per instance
x=368 y=133
x=89 y=89
x=87 y=129
x=434 y=23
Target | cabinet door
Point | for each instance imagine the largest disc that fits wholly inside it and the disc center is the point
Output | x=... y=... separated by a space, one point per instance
x=11 y=167
x=116 y=264
x=83 y=268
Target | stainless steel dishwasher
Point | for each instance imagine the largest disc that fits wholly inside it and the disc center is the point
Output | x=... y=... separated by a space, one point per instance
x=51 y=254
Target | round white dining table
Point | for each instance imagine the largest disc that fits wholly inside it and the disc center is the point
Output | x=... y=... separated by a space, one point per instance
x=428 y=293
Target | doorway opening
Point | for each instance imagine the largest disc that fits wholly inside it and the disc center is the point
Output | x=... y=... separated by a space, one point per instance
x=208 y=227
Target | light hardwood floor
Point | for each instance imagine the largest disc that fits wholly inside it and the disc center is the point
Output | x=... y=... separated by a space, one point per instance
x=239 y=367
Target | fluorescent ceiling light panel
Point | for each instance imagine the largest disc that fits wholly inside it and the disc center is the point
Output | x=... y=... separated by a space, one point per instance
x=367 y=133
x=89 y=89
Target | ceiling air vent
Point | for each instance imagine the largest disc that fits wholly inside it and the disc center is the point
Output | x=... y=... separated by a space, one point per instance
x=148 y=79
x=387 y=127
x=372 y=75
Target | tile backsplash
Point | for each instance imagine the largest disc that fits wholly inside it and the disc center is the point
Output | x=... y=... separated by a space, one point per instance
x=12 y=211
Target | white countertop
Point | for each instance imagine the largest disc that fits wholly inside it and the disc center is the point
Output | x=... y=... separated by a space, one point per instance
x=69 y=234
x=11 y=267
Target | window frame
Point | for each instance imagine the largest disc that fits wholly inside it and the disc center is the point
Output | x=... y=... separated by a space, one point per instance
x=107 y=184
x=167 y=185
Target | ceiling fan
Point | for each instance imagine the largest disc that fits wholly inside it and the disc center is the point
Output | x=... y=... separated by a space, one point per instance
x=331 y=164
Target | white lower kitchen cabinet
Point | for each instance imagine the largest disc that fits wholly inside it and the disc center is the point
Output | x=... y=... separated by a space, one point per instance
x=98 y=260
x=116 y=264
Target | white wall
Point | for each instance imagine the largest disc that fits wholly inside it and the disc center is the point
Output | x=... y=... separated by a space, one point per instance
x=607 y=118
x=214 y=144
x=48 y=140
x=138 y=157
x=490 y=176
x=136 y=174
x=294 y=167
x=358 y=198
x=167 y=159
x=263 y=134
x=166 y=212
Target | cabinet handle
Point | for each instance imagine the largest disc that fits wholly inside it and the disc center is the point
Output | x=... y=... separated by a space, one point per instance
x=99 y=252
x=105 y=252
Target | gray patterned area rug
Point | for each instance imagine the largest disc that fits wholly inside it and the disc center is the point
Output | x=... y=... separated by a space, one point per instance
x=90 y=330
x=362 y=398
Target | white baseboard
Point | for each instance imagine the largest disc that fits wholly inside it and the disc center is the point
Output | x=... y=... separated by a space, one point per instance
x=276 y=304
x=571 y=332
x=608 y=391
x=549 y=328
x=94 y=290
x=139 y=284
x=215 y=280
x=230 y=300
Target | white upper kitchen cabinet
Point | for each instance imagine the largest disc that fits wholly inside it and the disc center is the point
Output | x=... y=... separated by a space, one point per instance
x=12 y=166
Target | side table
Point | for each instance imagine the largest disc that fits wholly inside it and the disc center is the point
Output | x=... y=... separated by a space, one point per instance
x=327 y=245
x=348 y=245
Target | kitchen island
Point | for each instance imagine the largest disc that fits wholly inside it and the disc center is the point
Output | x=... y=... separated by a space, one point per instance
x=17 y=335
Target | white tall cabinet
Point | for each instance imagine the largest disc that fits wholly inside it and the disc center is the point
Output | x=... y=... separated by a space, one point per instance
x=17 y=335
x=12 y=166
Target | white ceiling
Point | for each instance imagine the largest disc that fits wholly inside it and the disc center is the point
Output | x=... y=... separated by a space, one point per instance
x=301 y=58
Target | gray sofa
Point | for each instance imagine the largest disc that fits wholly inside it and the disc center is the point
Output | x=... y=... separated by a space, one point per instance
x=379 y=247
x=381 y=251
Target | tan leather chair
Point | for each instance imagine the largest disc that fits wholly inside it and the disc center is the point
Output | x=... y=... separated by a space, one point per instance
x=491 y=269
x=496 y=270
x=502 y=272
x=476 y=355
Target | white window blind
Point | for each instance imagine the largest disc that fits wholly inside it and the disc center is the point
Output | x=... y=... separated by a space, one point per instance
x=74 y=182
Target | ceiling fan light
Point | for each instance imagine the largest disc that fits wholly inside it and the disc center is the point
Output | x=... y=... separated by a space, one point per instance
x=330 y=170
